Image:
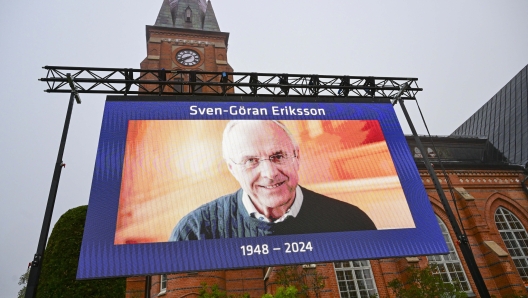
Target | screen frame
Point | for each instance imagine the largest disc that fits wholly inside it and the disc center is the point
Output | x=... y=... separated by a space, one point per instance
x=100 y=258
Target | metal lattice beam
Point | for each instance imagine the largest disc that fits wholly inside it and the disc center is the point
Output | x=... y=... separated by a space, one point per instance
x=127 y=81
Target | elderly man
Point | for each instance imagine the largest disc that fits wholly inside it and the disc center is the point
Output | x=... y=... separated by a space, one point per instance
x=264 y=158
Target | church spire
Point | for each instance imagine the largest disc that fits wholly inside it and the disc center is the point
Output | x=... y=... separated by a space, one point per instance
x=210 y=22
x=188 y=14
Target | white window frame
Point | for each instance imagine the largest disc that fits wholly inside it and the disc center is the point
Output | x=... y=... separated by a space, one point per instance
x=449 y=266
x=355 y=287
x=163 y=284
x=515 y=238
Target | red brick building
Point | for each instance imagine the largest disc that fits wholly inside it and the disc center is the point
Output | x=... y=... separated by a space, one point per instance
x=186 y=36
x=489 y=196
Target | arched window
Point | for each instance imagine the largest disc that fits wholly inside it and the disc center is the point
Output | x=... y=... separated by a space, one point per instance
x=355 y=279
x=188 y=14
x=515 y=238
x=449 y=266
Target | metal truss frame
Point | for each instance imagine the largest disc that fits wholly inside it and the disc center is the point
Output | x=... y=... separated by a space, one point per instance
x=185 y=82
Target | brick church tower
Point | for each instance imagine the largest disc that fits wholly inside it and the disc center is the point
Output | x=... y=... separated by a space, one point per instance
x=186 y=36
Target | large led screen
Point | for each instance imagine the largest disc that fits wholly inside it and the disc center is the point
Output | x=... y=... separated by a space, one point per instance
x=185 y=184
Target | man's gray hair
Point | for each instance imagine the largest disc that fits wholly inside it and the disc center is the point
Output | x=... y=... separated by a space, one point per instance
x=232 y=124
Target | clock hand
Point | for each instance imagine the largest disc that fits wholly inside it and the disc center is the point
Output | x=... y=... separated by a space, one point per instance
x=182 y=59
x=187 y=58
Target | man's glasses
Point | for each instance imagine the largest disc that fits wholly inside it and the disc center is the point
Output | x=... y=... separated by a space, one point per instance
x=278 y=159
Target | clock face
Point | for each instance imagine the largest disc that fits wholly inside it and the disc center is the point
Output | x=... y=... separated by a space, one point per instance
x=188 y=57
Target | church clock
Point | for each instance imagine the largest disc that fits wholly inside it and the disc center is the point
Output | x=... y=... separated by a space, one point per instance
x=188 y=57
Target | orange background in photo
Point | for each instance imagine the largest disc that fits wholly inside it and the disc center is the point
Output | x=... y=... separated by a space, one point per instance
x=171 y=167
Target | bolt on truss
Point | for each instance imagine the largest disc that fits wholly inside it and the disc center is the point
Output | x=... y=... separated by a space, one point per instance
x=127 y=81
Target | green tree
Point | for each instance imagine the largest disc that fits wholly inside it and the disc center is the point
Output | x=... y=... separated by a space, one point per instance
x=425 y=283
x=61 y=257
x=304 y=280
x=211 y=292
x=282 y=292
x=23 y=281
x=214 y=292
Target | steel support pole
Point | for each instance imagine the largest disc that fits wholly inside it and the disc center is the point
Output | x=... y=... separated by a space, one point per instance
x=148 y=285
x=465 y=246
x=36 y=265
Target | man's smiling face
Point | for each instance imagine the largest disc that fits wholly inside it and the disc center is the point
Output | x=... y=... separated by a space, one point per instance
x=269 y=185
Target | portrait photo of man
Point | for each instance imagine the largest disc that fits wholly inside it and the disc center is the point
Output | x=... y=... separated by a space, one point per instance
x=264 y=158
x=219 y=179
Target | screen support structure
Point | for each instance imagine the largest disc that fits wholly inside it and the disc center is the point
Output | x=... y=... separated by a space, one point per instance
x=148 y=284
x=465 y=246
x=238 y=84
x=36 y=264
x=185 y=82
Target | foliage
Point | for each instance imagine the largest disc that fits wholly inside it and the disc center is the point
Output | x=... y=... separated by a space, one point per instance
x=282 y=292
x=211 y=292
x=424 y=283
x=23 y=281
x=214 y=292
x=303 y=280
x=61 y=257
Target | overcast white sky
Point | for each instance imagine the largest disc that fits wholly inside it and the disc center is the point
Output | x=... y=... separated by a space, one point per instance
x=463 y=52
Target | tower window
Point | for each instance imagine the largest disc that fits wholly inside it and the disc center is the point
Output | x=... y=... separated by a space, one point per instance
x=188 y=13
x=178 y=87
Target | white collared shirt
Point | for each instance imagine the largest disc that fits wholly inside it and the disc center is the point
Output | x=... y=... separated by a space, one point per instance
x=293 y=211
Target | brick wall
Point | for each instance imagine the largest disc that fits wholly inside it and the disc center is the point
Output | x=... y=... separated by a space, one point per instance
x=487 y=189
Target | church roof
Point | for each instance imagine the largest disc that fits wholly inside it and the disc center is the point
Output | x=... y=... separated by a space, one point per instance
x=210 y=23
x=187 y=14
x=164 y=16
